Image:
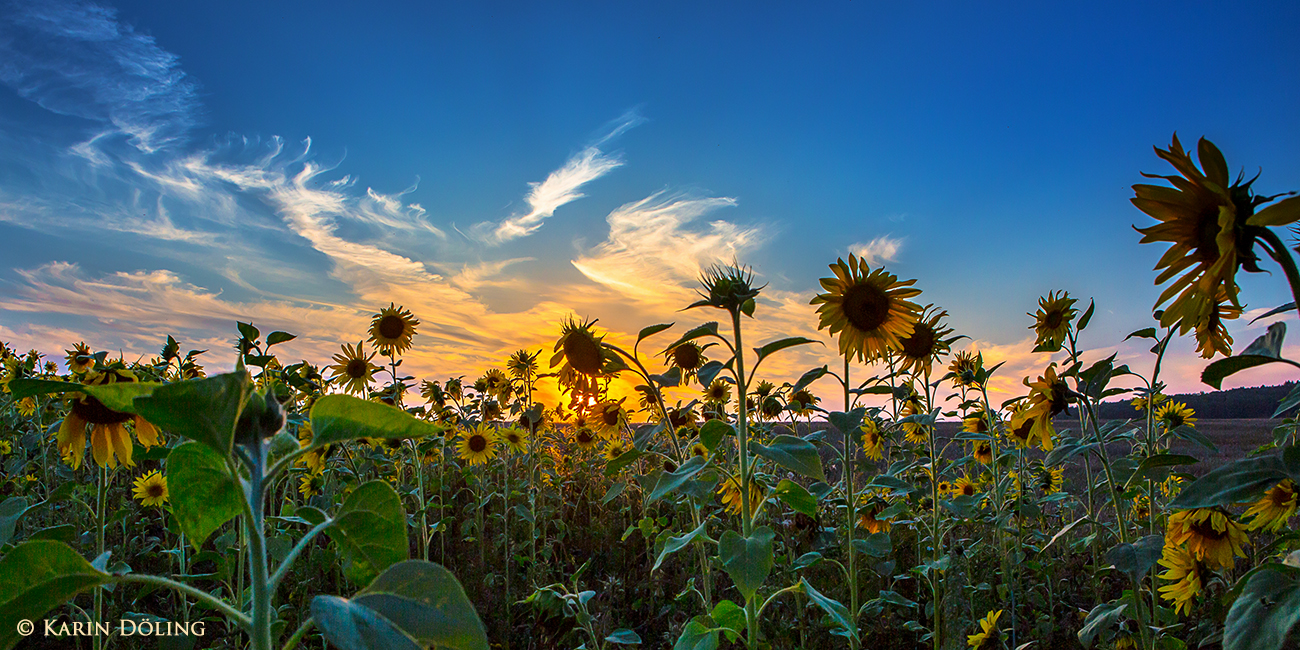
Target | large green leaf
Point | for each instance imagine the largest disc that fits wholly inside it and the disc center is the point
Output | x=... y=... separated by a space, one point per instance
x=712 y=433
x=1265 y=349
x=697 y=636
x=797 y=497
x=776 y=346
x=1279 y=214
x=37 y=577
x=652 y=330
x=205 y=409
x=834 y=608
x=1100 y=618
x=1237 y=482
x=370 y=530
x=1266 y=610
x=671 y=481
x=204 y=495
x=335 y=418
x=675 y=544
x=116 y=396
x=795 y=454
x=11 y=510
x=1136 y=559
x=1152 y=465
x=748 y=560
x=427 y=602
x=352 y=626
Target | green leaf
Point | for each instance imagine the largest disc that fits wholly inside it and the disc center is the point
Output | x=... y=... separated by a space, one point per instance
x=279 y=337
x=652 y=330
x=626 y=458
x=203 y=493
x=712 y=433
x=809 y=377
x=624 y=636
x=709 y=371
x=1267 y=609
x=730 y=616
x=1146 y=333
x=697 y=636
x=1149 y=466
x=205 y=409
x=1136 y=559
x=427 y=602
x=847 y=423
x=1265 y=349
x=1291 y=401
x=37 y=577
x=613 y=492
x=116 y=396
x=1290 y=306
x=776 y=346
x=1237 y=482
x=11 y=510
x=748 y=560
x=795 y=454
x=795 y=496
x=370 y=530
x=675 y=544
x=336 y=418
x=1101 y=617
x=671 y=481
x=1279 y=214
x=891 y=483
x=836 y=610
x=875 y=545
x=707 y=329
x=1087 y=316
x=348 y=625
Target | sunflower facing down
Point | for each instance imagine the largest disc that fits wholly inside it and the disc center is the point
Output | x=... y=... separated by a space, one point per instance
x=731 y=498
x=151 y=489
x=354 y=368
x=478 y=445
x=869 y=508
x=1209 y=534
x=916 y=433
x=391 y=330
x=982 y=452
x=1052 y=322
x=1273 y=509
x=1185 y=574
x=870 y=310
x=918 y=350
x=109 y=439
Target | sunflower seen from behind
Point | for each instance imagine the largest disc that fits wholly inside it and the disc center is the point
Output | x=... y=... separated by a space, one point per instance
x=871 y=311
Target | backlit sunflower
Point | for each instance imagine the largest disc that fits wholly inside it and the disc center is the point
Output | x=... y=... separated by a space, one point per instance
x=916 y=433
x=718 y=392
x=1052 y=322
x=585 y=438
x=1209 y=534
x=1274 y=508
x=688 y=358
x=151 y=489
x=1211 y=332
x=522 y=365
x=1140 y=402
x=729 y=491
x=1021 y=427
x=975 y=422
x=514 y=438
x=1204 y=218
x=770 y=408
x=1048 y=397
x=872 y=442
x=609 y=417
x=964 y=368
x=988 y=634
x=614 y=449
x=109 y=439
x=580 y=348
x=478 y=445
x=1185 y=574
x=354 y=368
x=391 y=330
x=870 y=310
x=869 y=508
x=926 y=343
x=314 y=459
x=803 y=403
x=495 y=383
x=983 y=452
x=80 y=358
x=1175 y=414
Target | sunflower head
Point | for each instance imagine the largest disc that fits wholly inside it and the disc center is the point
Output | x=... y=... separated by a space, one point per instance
x=151 y=489
x=688 y=358
x=585 y=438
x=1173 y=414
x=870 y=310
x=1272 y=510
x=718 y=392
x=919 y=349
x=515 y=438
x=1184 y=571
x=1052 y=321
x=614 y=449
x=478 y=444
x=352 y=368
x=391 y=330
x=988 y=634
x=1210 y=535
x=80 y=359
x=802 y=402
x=965 y=368
x=580 y=349
x=522 y=365
x=730 y=287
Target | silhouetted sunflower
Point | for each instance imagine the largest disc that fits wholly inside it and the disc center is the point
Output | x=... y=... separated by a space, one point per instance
x=918 y=350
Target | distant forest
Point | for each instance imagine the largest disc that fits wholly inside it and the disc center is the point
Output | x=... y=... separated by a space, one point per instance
x=1235 y=403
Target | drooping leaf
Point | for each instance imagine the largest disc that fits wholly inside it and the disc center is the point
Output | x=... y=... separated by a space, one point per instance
x=336 y=418
x=748 y=560
x=1152 y=464
x=1279 y=214
x=809 y=377
x=1100 y=618
x=203 y=493
x=348 y=625
x=707 y=329
x=680 y=542
x=833 y=608
x=847 y=423
x=427 y=602
x=1237 y=482
x=712 y=433
x=37 y=577
x=1268 y=608
x=697 y=636
x=116 y=396
x=795 y=454
x=370 y=530
x=797 y=497
x=205 y=410
x=776 y=346
x=626 y=458
x=1265 y=349
x=671 y=481
x=624 y=636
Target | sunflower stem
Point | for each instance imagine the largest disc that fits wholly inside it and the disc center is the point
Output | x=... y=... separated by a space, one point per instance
x=742 y=438
x=847 y=463
x=99 y=548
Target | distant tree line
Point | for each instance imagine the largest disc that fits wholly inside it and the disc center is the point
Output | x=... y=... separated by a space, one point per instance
x=1234 y=403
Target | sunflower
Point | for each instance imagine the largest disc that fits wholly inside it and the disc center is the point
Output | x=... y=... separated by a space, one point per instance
x=1210 y=535
x=688 y=358
x=916 y=433
x=1205 y=221
x=975 y=422
x=311 y=485
x=730 y=287
x=585 y=438
x=579 y=348
x=698 y=449
x=1051 y=479
x=983 y=452
x=109 y=439
x=944 y=487
x=391 y=330
x=314 y=459
x=514 y=438
x=1140 y=402
x=1175 y=414
x=988 y=631
x=963 y=486
x=964 y=368
x=151 y=489
x=27 y=406
x=1274 y=508
x=522 y=365
x=614 y=449
x=1211 y=332
x=729 y=491
x=1048 y=397
x=354 y=367
x=1141 y=508
x=870 y=310
x=477 y=445
x=872 y=442
x=1052 y=322
x=609 y=417
x=718 y=392
x=1185 y=572
x=1021 y=428
x=803 y=403
x=80 y=359
x=869 y=508
x=6 y=448
x=770 y=408
x=919 y=349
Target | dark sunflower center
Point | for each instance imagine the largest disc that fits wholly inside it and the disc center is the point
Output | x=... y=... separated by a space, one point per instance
x=1207 y=232
x=94 y=412
x=391 y=326
x=920 y=344
x=609 y=417
x=1207 y=531
x=803 y=398
x=1281 y=496
x=155 y=490
x=686 y=357
x=983 y=449
x=1175 y=420
x=583 y=353
x=1053 y=318
x=866 y=306
x=513 y=438
x=1059 y=398
x=968 y=490
x=584 y=437
x=356 y=368
x=1022 y=432
x=477 y=444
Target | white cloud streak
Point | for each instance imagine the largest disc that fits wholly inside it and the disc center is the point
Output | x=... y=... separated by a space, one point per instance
x=881 y=250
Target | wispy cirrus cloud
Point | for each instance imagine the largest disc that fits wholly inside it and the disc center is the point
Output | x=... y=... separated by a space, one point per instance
x=881 y=250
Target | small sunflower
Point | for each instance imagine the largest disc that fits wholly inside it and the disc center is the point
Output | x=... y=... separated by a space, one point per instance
x=6 y=448
x=983 y=452
x=1052 y=322
x=964 y=486
x=872 y=441
x=1185 y=573
x=926 y=343
x=478 y=445
x=1140 y=402
x=988 y=633
x=869 y=509
x=688 y=358
x=730 y=287
x=391 y=330
x=1022 y=425
x=870 y=310
x=770 y=408
x=729 y=491
x=27 y=406
x=311 y=485
x=1141 y=508
x=975 y=422
x=718 y=392
x=916 y=433
x=698 y=449
x=151 y=489
x=614 y=449
x=1175 y=414
x=80 y=359
x=514 y=438
x=585 y=438
x=354 y=368
x=1273 y=509
x=964 y=368
x=609 y=417
x=803 y=403
x=1210 y=535
x=944 y=487
x=522 y=365
x=1051 y=480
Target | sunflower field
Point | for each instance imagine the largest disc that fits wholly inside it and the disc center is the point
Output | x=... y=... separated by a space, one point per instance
x=349 y=505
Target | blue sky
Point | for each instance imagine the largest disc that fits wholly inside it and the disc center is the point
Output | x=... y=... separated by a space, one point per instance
x=172 y=167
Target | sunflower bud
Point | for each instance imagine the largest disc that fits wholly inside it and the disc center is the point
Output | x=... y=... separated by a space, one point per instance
x=262 y=418
x=728 y=287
